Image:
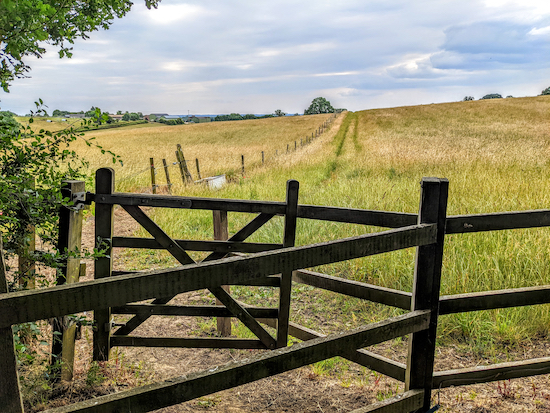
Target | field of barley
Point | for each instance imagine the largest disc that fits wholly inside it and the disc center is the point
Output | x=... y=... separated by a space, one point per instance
x=495 y=154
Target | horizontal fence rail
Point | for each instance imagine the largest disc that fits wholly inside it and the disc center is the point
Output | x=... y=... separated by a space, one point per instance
x=490 y=300
x=376 y=294
x=31 y=305
x=460 y=224
x=179 y=390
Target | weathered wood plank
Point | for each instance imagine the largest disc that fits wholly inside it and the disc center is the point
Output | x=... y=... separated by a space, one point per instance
x=459 y=224
x=167 y=201
x=10 y=393
x=69 y=240
x=221 y=232
x=191 y=310
x=427 y=281
x=193 y=245
x=405 y=402
x=382 y=295
x=162 y=238
x=23 y=306
x=363 y=357
x=103 y=267
x=485 y=374
x=489 y=300
x=357 y=216
x=177 y=342
x=289 y=238
x=244 y=316
x=181 y=389
x=241 y=235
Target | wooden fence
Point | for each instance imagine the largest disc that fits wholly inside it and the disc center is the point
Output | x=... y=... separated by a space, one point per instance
x=273 y=265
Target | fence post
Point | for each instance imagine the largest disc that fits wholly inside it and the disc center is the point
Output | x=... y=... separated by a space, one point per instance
x=292 y=187
x=221 y=233
x=153 y=179
x=167 y=176
x=182 y=172
x=183 y=163
x=263 y=158
x=69 y=241
x=103 y=267
x=10 y=393
x=27 y=266
x=198 y=168
x=427 y=281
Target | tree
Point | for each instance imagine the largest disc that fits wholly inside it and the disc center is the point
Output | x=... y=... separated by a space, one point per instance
x=31 y=180
x=26 y=25
x=126 y=116
x=492 y=96
x=546 y=91
x=279 y=113
x=467 y=98
x=319 y=105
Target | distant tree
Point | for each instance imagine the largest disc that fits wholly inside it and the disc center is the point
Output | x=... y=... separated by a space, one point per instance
x=467 y=98
x=134 y=116
x=296 y=114
x=319 y=105
x=509 y=96
x=492 y=96
x=279 y=113
x=152 y=118
x=249 y=116
x=126 y=116
x=119 y=112
x=546 y=91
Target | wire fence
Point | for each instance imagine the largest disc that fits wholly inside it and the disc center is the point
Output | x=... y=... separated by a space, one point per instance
x=183 y=167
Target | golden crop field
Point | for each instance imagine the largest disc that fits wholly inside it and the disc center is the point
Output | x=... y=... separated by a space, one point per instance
x=217 y=145
x=495 y=154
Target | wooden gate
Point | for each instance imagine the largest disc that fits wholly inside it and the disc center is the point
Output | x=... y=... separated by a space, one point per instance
x=267 y=264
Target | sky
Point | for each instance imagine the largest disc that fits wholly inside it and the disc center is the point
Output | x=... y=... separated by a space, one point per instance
x=246 y=56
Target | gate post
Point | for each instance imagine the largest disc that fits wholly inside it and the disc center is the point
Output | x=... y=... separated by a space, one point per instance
x=427 y=281
x=69 y=241
x=221 y=233
x=103 y=267
x=292 y=187
x=10 y=393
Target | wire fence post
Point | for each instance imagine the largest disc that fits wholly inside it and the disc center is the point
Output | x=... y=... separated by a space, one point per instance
x=153 y=179
x=242 y=165
x=263 y=159
x=167 y=175
x=198 y=168
x=188 y=176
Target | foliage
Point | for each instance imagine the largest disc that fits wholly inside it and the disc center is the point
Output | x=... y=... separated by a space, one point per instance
x=279 y=113
x=32 y=168
x=467 y=98
x=546 y=91
x=492 y=96
x=319 y=105
x=25 y=25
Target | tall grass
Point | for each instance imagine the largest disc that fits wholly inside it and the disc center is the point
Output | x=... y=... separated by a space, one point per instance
x=494 y=153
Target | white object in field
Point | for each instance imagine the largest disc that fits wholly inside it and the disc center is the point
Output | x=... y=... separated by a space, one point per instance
x=214 y=182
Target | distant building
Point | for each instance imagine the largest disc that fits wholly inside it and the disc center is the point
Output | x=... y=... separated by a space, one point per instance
x=155 y=116
x=75 y=115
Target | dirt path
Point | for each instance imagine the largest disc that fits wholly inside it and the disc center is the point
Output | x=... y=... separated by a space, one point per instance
x=310 y=389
